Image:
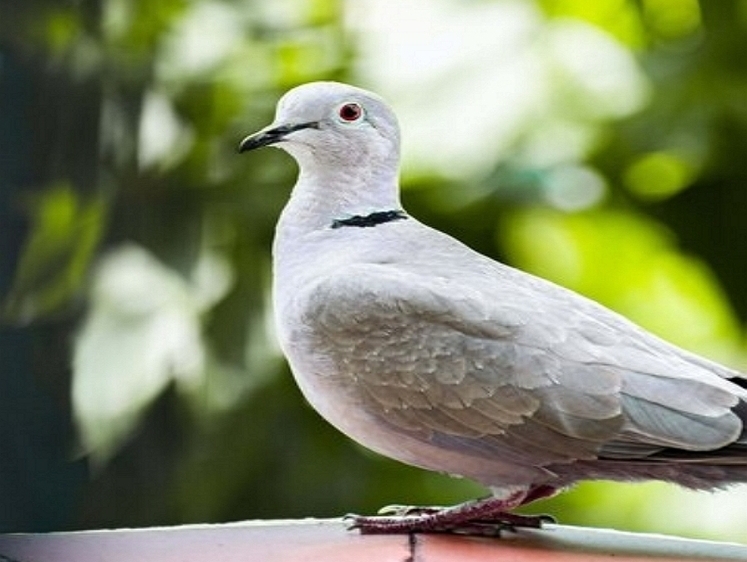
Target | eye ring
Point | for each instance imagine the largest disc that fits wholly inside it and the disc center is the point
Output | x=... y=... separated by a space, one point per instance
x=350 y=112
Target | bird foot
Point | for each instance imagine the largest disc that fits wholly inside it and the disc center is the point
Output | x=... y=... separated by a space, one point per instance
x=484 y=518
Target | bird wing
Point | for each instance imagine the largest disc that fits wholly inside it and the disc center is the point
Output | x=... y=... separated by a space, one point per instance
x=513 y=367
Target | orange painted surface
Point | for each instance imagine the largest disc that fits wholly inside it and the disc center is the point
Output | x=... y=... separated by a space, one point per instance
x=329 y=541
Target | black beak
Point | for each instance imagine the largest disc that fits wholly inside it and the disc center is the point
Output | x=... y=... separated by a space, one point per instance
x=266 y=137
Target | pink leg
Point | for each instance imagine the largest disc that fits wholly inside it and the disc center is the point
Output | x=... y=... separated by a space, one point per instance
x=484 y=517
x=541 y=492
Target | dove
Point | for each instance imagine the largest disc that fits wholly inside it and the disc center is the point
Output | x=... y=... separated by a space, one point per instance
x=428 y=352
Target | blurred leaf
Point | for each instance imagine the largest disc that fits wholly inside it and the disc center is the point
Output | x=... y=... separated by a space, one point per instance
x=303 y=59
x=147 y=21
x=62 y=29
x=209 y=106
x=632 y=265
x=620 y=18
x=671 y=19
x=325 y=11
x=659 y=175
x=142 y=332
x=66 y=229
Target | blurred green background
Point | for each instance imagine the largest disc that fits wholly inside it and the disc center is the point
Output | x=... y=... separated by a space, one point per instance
x=602 y=145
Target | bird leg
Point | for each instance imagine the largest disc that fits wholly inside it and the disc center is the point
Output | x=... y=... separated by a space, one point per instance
x=488 y=516
x=540 y=492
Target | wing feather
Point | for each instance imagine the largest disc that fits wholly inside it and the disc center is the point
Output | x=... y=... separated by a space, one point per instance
x=525 y=371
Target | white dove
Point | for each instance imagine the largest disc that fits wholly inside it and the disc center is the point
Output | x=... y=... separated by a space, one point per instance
x=428 y=352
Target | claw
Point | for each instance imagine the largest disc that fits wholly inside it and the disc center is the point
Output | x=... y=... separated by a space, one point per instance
x=398 y=510
x=351 y=521
x=394 y=509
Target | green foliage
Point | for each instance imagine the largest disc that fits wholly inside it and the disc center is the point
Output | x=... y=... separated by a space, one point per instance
x=65 y=231
x=621 y=18
x=659 y=175
x=630 y=264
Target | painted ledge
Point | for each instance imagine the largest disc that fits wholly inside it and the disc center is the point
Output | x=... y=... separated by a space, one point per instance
x=327 y=540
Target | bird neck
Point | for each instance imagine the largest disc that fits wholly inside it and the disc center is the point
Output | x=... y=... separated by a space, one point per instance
x=322 y=197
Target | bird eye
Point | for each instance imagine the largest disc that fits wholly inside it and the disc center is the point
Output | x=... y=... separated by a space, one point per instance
x=350 y=112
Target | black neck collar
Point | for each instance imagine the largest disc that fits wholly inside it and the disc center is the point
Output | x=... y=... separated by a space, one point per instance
x=373 y=219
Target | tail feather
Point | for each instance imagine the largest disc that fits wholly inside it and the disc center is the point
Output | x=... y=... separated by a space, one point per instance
x=631 y=461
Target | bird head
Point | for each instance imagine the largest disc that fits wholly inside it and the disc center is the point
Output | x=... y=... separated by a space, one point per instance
x=331 y=124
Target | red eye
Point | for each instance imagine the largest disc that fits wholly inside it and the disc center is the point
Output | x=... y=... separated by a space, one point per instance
x=350 y=112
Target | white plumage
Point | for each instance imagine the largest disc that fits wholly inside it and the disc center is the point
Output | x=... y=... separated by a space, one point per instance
x=428 y=352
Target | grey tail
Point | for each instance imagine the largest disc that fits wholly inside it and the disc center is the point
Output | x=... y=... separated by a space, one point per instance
x=702 y=470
